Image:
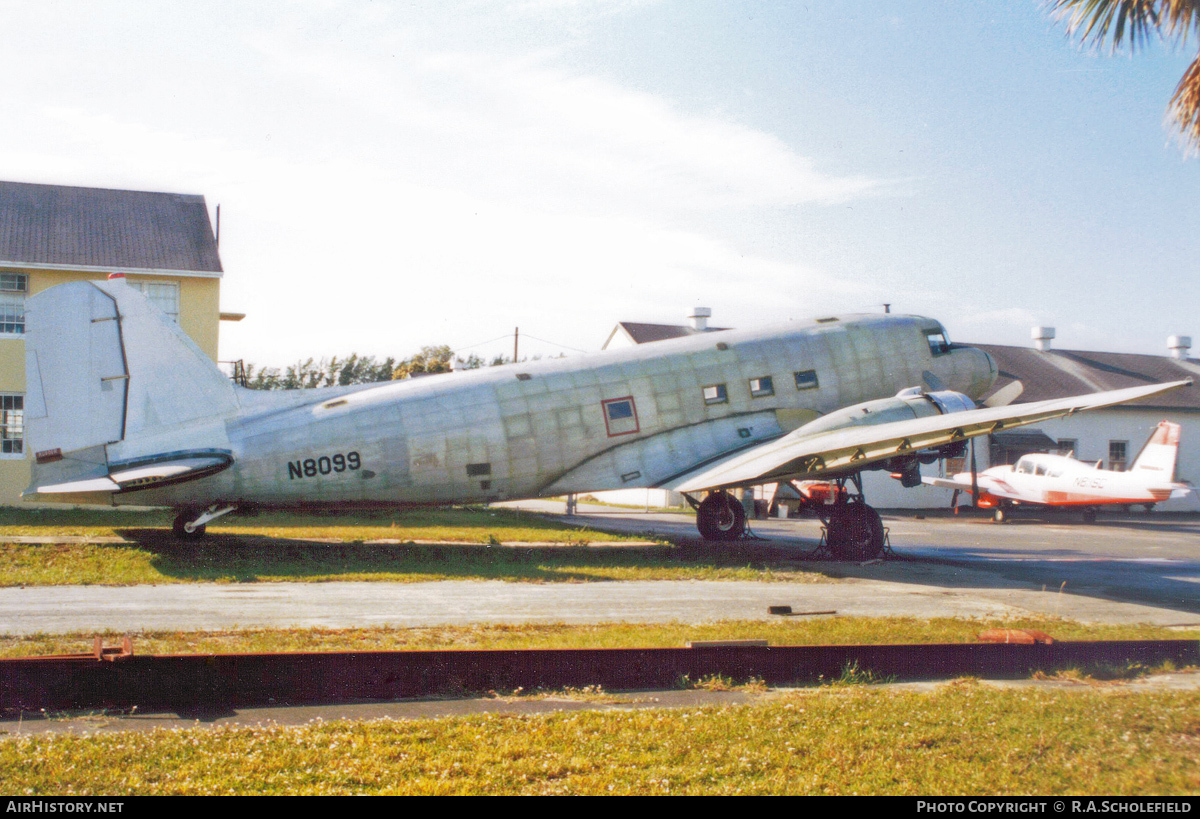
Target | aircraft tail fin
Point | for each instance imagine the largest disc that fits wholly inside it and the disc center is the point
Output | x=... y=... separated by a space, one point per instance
x=1160 y=453
x=103 y=365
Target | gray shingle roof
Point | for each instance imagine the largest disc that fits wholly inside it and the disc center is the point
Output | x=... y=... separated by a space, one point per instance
x=644 y=333
x=96 y=227
x=1062 y=373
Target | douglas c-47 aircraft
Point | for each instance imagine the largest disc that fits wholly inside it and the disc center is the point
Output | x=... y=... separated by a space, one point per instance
x=1060 y=480
x=122 y=408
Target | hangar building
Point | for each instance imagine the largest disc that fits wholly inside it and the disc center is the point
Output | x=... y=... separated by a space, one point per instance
x=1113 y=436
x=50 y=234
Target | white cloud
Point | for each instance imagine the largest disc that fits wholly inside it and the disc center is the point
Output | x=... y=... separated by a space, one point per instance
x=386 y=186
x=521 y=128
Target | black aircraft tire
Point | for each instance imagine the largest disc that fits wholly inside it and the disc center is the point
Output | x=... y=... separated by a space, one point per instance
x=855 y=532
x=183 y=534
x=720 y=517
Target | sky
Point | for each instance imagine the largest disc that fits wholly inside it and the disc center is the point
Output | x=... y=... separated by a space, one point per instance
x=400 y=174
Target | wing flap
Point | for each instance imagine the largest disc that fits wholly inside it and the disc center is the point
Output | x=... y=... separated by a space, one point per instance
x=848 y=449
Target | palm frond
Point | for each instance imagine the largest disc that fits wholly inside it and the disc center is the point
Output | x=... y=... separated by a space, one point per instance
x=1115 y=22
x=1184 y=110
x=1112 y=24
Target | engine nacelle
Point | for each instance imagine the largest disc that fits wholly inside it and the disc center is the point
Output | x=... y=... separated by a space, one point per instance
x=904 y=406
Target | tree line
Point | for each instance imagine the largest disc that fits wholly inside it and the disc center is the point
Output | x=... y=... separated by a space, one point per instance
x=362 y=369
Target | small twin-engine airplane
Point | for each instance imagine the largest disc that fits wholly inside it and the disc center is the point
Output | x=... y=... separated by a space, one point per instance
x=122 y=408
x=1060 y=480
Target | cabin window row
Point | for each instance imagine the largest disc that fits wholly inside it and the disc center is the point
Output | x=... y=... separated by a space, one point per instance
x=760 y=387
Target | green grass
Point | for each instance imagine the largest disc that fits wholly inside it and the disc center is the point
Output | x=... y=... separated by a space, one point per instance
x=964 y=739
x=458 y=524
x=423 y=545
x=160 y=559
x=818 y=631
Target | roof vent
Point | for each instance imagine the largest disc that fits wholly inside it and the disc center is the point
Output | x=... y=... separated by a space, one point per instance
x=700 y=317
x=1179 y=346
x=1042 y=336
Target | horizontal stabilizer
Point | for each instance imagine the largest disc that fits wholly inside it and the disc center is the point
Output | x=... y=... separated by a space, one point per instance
x=167 y=469
x=76 y=487
x=144 y=473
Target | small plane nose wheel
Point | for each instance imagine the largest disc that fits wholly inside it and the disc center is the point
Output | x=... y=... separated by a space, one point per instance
x=720 y=517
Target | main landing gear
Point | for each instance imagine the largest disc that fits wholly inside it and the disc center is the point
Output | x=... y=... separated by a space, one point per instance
x=720 y=517
x=853 y=530
x=190 y=523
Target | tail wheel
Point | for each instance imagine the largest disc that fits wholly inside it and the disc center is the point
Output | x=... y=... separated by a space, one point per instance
x=181 y=520
x=855 y=532
x=720 y=517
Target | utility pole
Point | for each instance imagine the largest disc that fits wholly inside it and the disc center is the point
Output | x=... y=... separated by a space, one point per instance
x=516 y=337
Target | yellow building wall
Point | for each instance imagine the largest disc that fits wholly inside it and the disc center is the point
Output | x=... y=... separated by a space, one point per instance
x=199 y=316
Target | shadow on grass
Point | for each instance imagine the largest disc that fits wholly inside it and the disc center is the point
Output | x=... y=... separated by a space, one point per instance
x=247 y=558
x=472 y=519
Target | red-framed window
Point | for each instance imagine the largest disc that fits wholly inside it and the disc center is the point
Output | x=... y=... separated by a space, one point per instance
x=620 y=416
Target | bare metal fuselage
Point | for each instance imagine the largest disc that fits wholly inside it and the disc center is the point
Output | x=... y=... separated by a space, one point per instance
x=619 y=419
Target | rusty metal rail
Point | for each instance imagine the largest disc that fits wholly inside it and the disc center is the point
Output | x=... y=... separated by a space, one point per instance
x=119 y=679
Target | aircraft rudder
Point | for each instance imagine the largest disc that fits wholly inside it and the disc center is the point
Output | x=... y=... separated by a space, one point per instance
x=1161 y=451
x=103 y=367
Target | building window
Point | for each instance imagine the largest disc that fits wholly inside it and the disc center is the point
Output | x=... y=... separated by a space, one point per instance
x=1068 y=446
x=761 y=387
x=163 y=295
x=715 y=394
x=12 y=424
x=13 y=287
x=1117 y=455
x=938 y=345
x=620 y=416
x=806 y=380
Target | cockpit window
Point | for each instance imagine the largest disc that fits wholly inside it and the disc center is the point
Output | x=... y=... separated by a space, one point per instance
x=938 y=343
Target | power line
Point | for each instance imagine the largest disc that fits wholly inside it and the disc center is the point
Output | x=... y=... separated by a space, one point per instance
x=555 y=344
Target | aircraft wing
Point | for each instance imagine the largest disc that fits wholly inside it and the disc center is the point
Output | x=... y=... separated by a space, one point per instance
x=841 y=451
x=987 y=484
x=947 y=483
